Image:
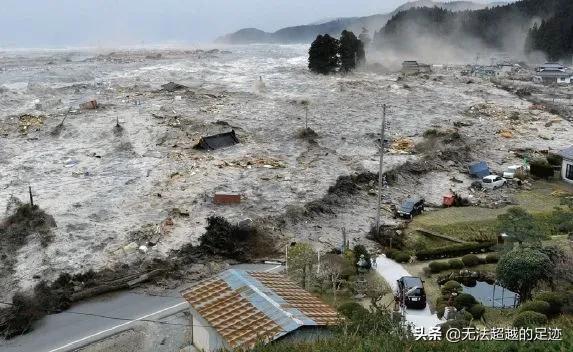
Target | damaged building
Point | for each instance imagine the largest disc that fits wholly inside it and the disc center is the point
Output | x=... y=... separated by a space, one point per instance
x=238 y=309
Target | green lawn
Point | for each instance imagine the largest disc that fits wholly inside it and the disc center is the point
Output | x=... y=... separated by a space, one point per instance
x=480 y=224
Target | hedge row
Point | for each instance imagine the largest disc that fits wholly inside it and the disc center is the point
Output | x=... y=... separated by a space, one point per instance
x=398 y=256
x=454 y=250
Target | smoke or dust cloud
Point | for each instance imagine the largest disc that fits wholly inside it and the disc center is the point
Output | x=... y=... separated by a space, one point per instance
x=416 y=41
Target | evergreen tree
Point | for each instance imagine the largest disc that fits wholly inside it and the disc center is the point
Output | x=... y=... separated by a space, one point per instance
x=323 y=55
x=351 y=51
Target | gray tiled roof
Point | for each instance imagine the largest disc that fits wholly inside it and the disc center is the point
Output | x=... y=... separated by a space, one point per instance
x=567 y=153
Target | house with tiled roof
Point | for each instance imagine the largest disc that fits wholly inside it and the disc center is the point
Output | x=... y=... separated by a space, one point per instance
x=238 y=309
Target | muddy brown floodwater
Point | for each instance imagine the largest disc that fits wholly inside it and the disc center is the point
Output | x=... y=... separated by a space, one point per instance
x=110 y=190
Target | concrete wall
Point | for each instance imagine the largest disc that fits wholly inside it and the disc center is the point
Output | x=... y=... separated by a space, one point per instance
x=205 y=337
x=567 y=164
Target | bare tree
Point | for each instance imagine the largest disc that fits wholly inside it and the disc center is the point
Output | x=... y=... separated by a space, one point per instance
x=334 y=268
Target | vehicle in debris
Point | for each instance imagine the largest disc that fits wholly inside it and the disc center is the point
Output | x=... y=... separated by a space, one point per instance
x=512 y=170
x=493 y=182
x=411 y=293
x=410 y=207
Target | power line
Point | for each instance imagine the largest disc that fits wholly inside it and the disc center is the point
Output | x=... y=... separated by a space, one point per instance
x=270 y=317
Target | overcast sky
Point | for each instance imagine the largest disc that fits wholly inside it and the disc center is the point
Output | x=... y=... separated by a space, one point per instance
x=57 y=23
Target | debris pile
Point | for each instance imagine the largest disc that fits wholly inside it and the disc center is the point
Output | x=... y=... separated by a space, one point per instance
x=89 y=105
x=402 y=146
x=248 y=163
x=30 y=122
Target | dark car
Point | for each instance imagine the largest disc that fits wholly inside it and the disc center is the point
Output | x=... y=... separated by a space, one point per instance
x=411 y=292
x=410 y=207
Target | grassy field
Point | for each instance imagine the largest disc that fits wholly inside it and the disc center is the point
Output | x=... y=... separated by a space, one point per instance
x=480 y=224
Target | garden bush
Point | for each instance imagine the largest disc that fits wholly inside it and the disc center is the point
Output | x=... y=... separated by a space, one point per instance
x=450 y=287
x=352 y=310
x=456 y=263
x=454 y=250
x=470 y=260
x=464 y=300
x=492 y=258
x=541 y=168
x=554 y=159
x=477 y=311
x=464 y=315
x=555 y=300
x=536 y=306
x=436 y=267
x=529 y=319
x=402 y=257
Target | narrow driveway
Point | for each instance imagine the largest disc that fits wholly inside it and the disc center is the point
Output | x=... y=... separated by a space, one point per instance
x=391 y=272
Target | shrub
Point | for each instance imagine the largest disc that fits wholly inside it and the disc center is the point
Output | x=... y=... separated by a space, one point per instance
x=554 y=299
x=470 y=260
x=477 y=311
x=450 y=287
x=541 y=168
x=535 y=306
x=402 y=257
x=352 y=310
x=454 y=250
x=464 y=315
x=554 y=159
x=492 y=258
x=464 y=300
x=387 y=236
x=391 y=253
x=436 y=267
x=456 y=263
x=232 y=241
x=360 y=250
x=529 y=319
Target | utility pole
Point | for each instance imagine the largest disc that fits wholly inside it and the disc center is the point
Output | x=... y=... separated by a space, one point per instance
x=286 y=259
x=31 y=196
x=380 y=174
x=343 y=240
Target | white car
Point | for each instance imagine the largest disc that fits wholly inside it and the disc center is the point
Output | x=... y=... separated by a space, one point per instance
x=512 y=170
x=493 y=182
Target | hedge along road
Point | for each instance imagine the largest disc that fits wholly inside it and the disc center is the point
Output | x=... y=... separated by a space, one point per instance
x=391 y=272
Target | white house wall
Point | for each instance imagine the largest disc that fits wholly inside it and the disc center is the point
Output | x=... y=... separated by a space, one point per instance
x=205 y=337
x=564 y=170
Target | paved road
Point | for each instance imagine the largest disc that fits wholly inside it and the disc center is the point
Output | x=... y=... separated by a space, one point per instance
x=67 y=331
x=391 y=272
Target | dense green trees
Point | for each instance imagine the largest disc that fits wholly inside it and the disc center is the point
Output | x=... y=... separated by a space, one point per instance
x=522 y=269
x=327 y=54
x=553 y=35
x=323 y=55
x=519 y=226
x=350 y=50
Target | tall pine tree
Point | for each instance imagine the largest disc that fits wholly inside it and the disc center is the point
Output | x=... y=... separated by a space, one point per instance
x=351 y=51
x=323 y=55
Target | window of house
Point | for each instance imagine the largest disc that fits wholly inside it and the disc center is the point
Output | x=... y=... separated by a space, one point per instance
x=569 y=172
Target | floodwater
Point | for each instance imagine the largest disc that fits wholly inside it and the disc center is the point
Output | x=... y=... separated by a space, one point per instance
x=108 y=192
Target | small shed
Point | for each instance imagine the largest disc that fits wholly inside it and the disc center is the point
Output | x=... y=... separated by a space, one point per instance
x=567 y=168
x=217 y=141
x=226 y=198
x=238 y=309
x=479 y=169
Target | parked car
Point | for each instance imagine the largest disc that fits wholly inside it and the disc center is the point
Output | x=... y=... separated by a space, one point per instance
x=510 y=172
x=410 y=207
x=493 y=182
x=411 y=292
